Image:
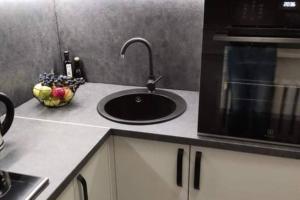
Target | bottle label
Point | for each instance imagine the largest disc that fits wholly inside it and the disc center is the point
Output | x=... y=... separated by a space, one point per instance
x=69 y=70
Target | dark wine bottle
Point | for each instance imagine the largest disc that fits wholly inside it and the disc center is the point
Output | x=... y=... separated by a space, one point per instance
x=67 y=64
x=78 y=73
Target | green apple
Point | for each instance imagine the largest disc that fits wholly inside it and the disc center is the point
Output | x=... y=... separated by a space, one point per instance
x=36 y=90
x=45 y=92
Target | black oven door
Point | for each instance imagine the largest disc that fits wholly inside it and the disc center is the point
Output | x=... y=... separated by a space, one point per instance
x=250 y=73
x=250 y=87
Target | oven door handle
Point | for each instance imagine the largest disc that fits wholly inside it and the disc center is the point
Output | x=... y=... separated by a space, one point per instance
x=253 y=39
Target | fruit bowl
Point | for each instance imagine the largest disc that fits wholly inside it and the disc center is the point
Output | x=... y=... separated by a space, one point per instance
x=56 y=90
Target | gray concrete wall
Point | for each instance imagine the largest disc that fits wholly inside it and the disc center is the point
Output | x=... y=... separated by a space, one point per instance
x=28 y=45
x=96 y=29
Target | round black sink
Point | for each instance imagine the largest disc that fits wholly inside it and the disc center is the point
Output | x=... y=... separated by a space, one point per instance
x=138 y=106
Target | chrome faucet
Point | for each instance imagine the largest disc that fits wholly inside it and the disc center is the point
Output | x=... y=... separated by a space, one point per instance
x=151 y=78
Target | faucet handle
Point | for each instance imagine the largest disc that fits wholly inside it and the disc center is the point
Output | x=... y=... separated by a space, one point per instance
x=158 y=79
x=151 y=83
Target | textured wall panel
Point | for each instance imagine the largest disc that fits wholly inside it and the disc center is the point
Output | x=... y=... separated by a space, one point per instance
x=28 y=45
x=96 y=29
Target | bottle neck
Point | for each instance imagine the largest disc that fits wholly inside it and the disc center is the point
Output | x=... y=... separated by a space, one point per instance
x=66 y=56
x=76 y=62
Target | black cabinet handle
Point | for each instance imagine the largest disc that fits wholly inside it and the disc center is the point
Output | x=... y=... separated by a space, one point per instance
x=81 y=179
x=197 y=170
x=179 y=166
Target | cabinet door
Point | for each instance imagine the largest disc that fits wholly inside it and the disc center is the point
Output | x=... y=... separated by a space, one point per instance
x=68 y=193
x=229 y=175
x=97 y=176
x=148 y=170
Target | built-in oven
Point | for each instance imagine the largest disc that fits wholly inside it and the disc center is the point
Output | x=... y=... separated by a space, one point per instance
x=250 y=73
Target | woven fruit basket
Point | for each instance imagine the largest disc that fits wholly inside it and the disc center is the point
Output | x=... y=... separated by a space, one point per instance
x=56 y=90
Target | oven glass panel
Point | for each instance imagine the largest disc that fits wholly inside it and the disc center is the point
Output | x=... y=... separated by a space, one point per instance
x=251 y=90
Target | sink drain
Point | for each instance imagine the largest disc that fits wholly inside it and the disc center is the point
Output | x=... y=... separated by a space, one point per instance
x=138 y=99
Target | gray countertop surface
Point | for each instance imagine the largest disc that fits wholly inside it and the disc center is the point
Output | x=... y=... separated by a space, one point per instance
x=83 y=109
x=182 y=129
x=47 y=149
x=55 y=142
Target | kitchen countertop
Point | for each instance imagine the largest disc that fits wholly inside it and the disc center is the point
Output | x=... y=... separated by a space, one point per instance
x=181 y=130
x=83 y=109
x=42 y=139
x=46 y=149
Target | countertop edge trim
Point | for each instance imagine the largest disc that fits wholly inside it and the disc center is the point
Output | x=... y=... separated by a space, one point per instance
x=225 y=144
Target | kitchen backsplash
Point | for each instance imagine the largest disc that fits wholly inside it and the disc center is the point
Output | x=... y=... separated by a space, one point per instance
x=33 y=33
x=95 y=30
x=28 y=45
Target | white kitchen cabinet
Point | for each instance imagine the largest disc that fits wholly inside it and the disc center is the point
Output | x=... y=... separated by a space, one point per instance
x=147 y=170
x=68 y=193
x=137 y=169
x=98 y=174
x=97 y=177
x=229 y=175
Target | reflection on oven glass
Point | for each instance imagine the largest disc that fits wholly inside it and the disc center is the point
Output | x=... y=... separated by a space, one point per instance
x=260 y=91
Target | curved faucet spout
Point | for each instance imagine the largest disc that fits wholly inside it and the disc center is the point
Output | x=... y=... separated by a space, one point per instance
x=148 y=45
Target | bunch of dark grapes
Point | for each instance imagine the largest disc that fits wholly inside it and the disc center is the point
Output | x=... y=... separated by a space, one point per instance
x=50 y=80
